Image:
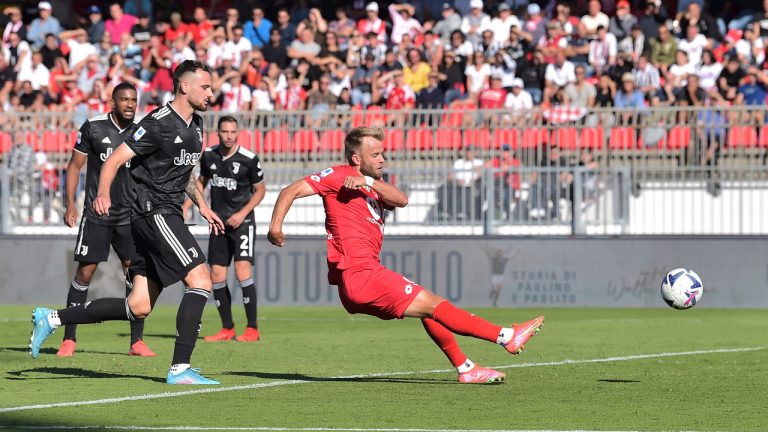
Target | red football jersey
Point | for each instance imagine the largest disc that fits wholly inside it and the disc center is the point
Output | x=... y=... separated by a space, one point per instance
x=354 y=219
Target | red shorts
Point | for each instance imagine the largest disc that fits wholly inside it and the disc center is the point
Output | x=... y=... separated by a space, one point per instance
x=376 y=291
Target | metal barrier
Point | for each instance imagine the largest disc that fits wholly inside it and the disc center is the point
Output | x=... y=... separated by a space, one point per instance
x=658 y=171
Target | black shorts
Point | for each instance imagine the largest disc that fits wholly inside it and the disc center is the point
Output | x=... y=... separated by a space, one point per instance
x=237 y=243
x=165 y=249
x=93 y=242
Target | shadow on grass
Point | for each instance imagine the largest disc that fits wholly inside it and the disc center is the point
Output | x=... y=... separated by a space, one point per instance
x=152 y=335
x=363 y=379
x=53 y=351
x=58 y=373
x=618 y=381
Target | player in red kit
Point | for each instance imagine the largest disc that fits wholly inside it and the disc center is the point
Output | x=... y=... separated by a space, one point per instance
x=355 y=197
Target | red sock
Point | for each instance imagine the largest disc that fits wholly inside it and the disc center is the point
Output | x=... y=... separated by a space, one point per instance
x=445 y=340
x=464 y=323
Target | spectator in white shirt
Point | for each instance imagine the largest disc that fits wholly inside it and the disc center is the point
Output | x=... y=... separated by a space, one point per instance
x=647 y=78
x=751 y=48
x=558 y=75
x=518 y=101
x=403 y=22
x=602 y=51
x=79 y=47
x=237 y=96
x=263 y=97
x=474 y=24
x=708 y=71
x=594 y=18
x=17 y=53
x=501 y=24
x=478 y=74
x=694 y=44
x=181 y=50
x=678 y=72
x=235 y=48
x=37 y=73
x=217 y=48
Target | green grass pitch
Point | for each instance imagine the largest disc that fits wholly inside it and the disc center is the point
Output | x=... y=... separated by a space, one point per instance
x=316 y=368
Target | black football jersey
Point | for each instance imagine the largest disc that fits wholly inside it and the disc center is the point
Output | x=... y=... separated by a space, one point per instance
x=167 y=149
x=97 y=139
x=231 y=178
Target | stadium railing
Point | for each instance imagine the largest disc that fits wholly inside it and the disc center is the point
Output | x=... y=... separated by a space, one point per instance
x=682 y=170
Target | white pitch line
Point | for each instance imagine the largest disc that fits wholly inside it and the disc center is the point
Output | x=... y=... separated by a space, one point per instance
x=371 y=375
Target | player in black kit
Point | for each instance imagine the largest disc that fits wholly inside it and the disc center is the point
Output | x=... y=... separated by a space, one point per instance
x=163 y=151
x=237 y=187
x=96 y=140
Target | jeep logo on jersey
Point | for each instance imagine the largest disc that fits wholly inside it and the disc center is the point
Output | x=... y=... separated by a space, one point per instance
x=374 y=207
x=186 y=158
x=224 y=182
x=105 y=155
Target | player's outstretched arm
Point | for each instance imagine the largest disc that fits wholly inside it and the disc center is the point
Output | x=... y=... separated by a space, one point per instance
x=195 y=193
x=73 y=179
x=289 y=194
x=109 y=168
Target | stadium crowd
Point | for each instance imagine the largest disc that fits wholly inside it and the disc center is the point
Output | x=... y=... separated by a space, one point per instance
x=514 y=55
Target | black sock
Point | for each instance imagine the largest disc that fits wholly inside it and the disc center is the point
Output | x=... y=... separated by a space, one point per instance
x=137 y=326
x=223 y=304
x=103 y=309
x=188 y=324
x=249 y=301
x=78 y=294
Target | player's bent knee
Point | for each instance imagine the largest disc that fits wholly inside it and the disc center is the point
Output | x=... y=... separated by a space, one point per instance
x=84 y=273
x=140 y=307
x=199 y=277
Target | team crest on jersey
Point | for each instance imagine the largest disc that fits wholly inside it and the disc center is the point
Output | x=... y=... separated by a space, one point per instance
x=235 y=167
x=199 y=134
x=139 y=133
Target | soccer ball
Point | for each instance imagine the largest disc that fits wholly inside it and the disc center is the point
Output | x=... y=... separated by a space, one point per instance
x=681 y=288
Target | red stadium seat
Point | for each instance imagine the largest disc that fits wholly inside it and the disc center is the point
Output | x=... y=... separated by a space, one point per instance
x=394 y=140
x=510 y=137
x=276 y=141
x=374 y=116
x=448 y=139
x=742 y=136
x=592 y=138
x=357 y=116
x=333 y=140
x=479 y=138
x=304 y=141
x=532 y=138
x=679 y=137
x=622 y=138
x=33 y=139
x=211 y=139
x=6 y=142
x=763 y=141
x=245 y=139
x=419 y=139
x=54 y=142
x=565 y=138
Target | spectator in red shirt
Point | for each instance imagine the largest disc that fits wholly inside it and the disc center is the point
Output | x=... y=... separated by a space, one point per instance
x=119 y=24
x=399 y=96
x=178 y=29
x=294 y=97
x=492 y=98
x=202 y=26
